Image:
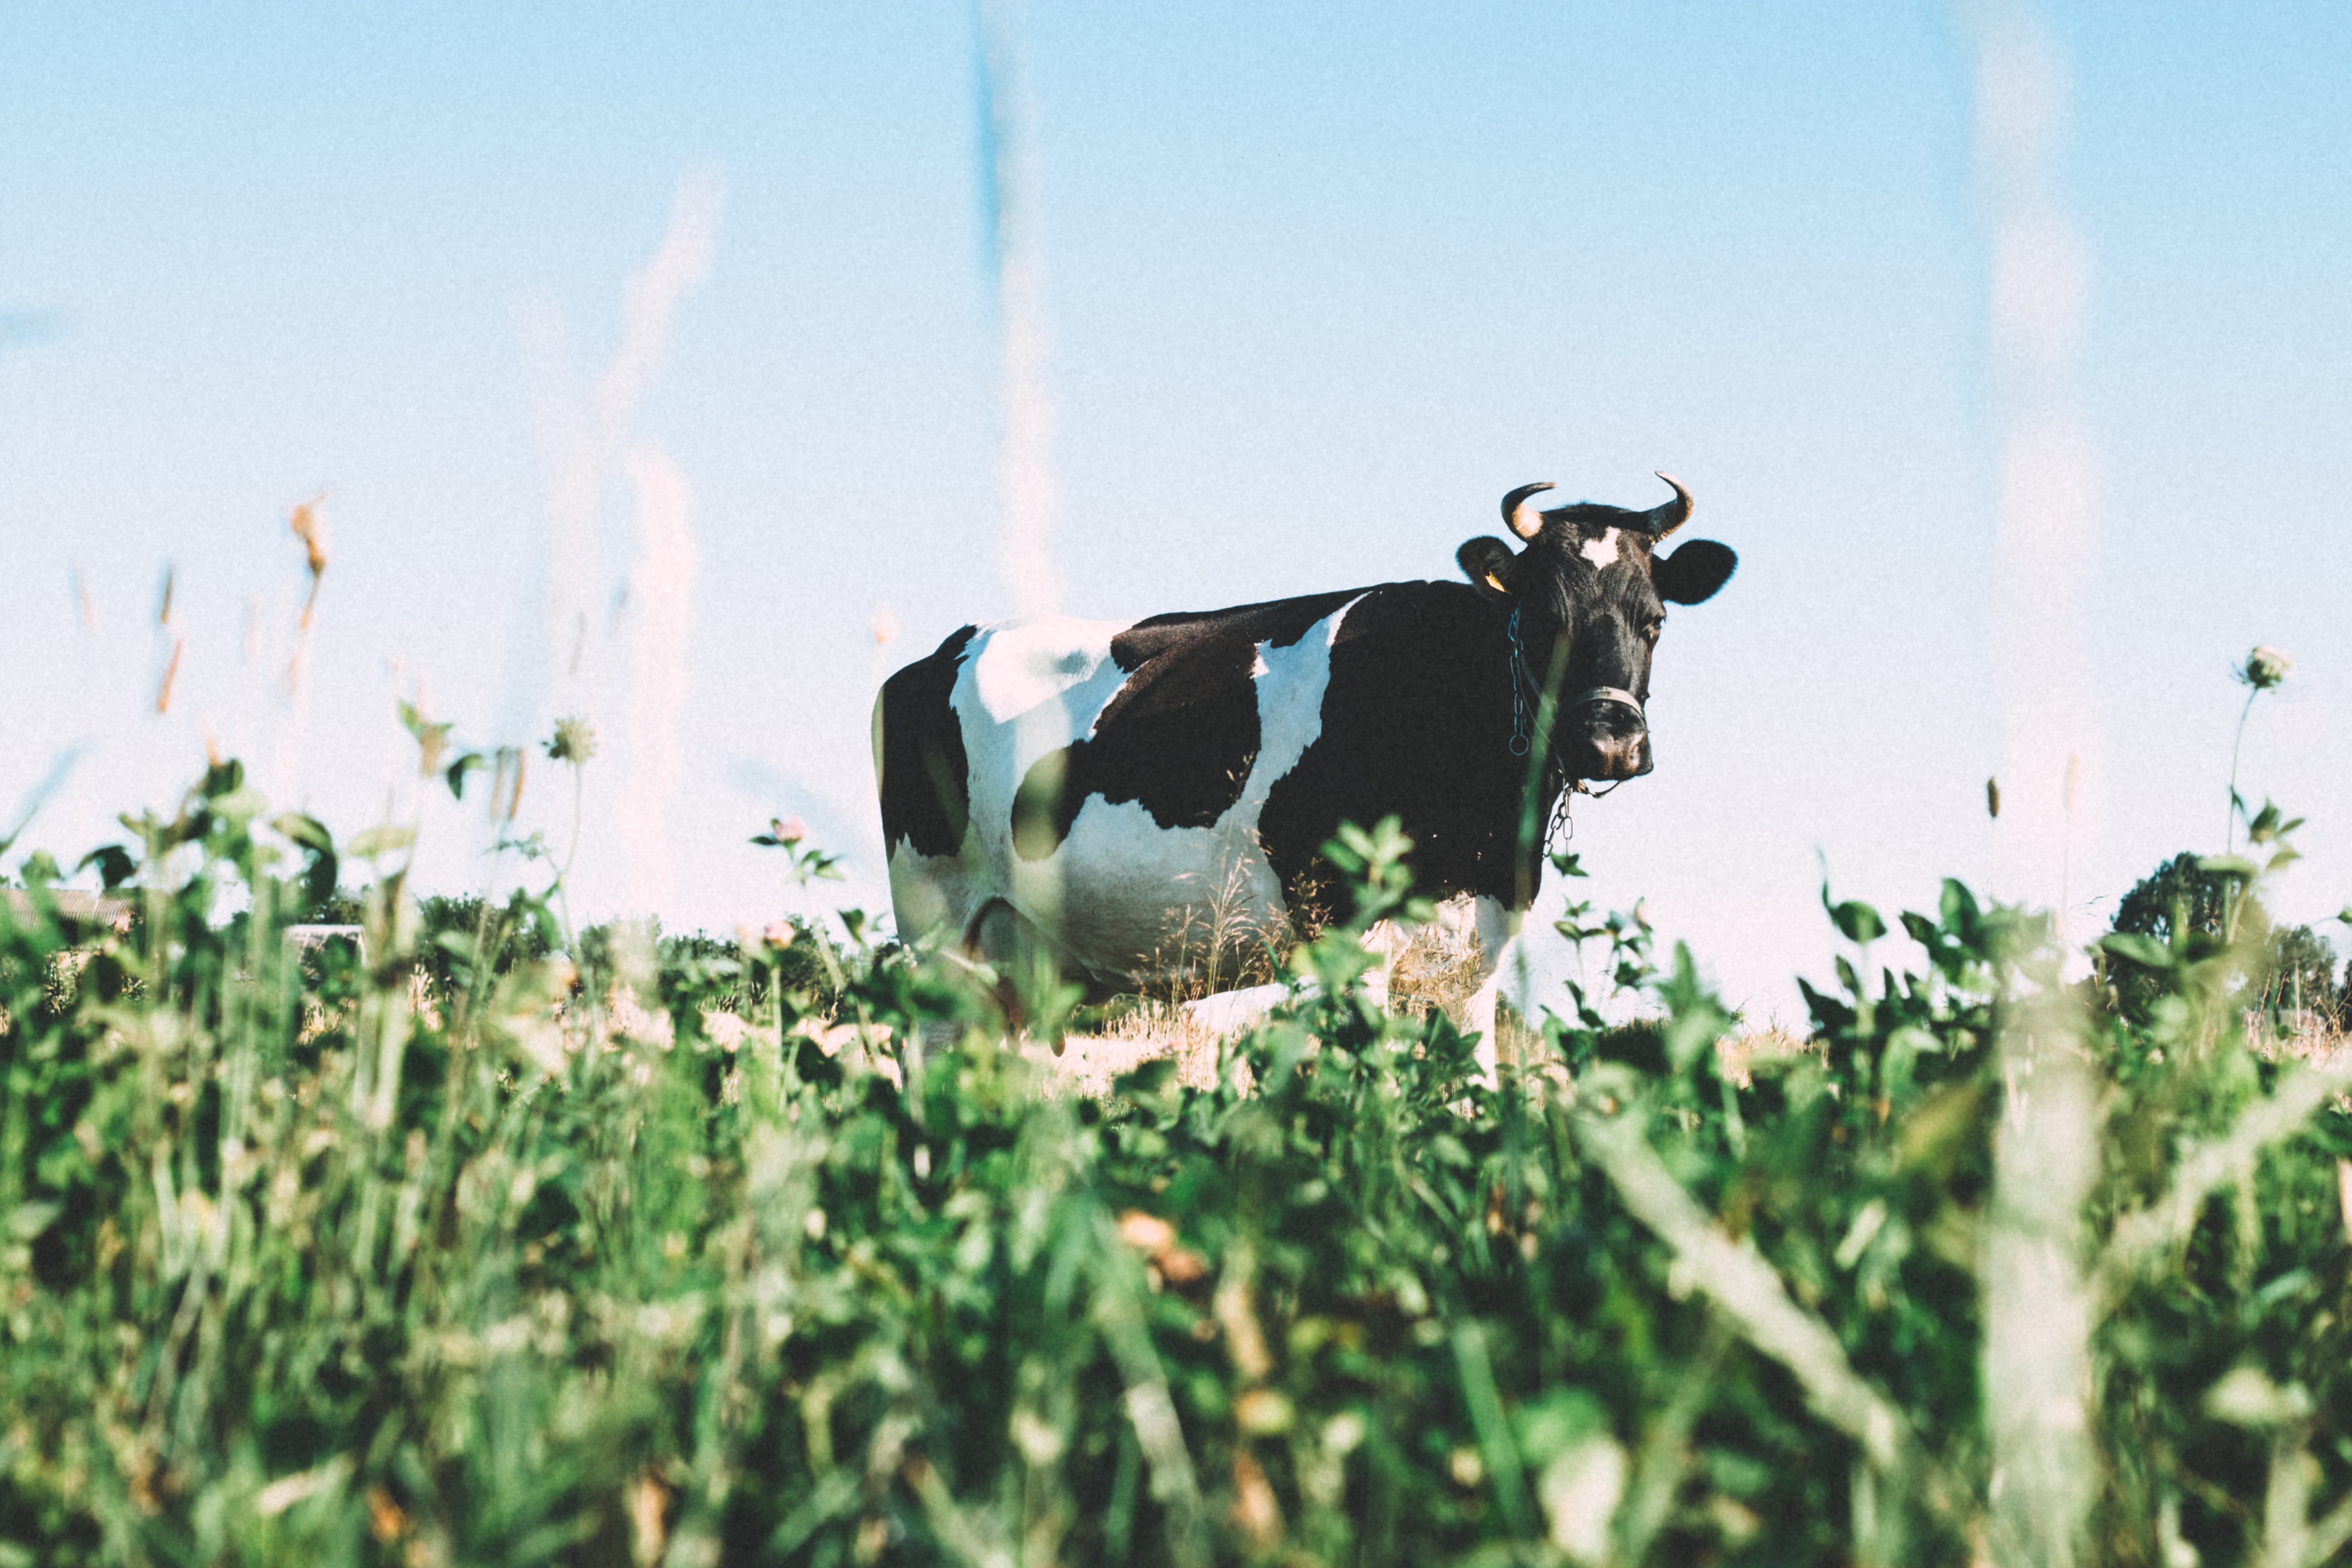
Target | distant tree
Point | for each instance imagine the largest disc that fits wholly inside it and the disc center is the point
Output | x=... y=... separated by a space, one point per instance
x=343 y=907
x=2180 y=899
x=449 y=928
x=2179 y=894
x=2287 y=966
x=2298 y=969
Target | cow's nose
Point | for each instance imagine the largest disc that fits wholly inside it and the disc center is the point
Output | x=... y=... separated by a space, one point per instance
x=1617 y=756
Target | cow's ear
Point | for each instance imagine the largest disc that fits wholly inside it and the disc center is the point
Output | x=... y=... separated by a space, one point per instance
x=1491 y=567
x=1692 y=575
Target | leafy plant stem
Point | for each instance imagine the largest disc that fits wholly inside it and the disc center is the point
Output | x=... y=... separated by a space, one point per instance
x=2230 y=821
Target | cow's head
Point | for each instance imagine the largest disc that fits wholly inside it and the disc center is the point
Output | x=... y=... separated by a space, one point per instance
x=1589 y=591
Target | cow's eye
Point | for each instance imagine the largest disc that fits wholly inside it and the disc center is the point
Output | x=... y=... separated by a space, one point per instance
x=1656 y=624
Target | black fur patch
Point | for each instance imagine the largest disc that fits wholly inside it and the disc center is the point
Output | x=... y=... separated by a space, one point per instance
x=926 y=783
x=1416 y=725
x=1180 y=736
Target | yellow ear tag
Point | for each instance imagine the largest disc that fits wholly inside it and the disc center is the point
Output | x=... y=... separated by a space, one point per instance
x=1496 y=583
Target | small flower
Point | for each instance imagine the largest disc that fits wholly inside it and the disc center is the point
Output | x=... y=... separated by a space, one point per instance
x=1146 y=1232
x=778 y=934
x=2265 y=667
x=788 y=829
x=574 y=740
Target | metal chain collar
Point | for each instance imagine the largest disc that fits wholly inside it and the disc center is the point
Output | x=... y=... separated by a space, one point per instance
x=1524 y=692
x=1522 y=678
x=1518 y=666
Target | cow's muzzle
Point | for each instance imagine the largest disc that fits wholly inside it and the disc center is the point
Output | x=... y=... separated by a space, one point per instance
x=1602 y=730
x=1608 y=735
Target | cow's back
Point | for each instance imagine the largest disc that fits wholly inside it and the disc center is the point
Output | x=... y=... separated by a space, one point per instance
x=1416 y=725
x=1137 y=791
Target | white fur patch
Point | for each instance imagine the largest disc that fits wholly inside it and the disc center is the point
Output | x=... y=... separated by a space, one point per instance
x=1602 y=552
x=1014 y=666
x=1231 y=1012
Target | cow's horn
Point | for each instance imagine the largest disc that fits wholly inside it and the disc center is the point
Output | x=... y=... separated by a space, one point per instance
x=1668 y=516
x=1525 y=520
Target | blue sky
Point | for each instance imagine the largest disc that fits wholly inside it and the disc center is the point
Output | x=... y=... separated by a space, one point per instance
x=1320 y=285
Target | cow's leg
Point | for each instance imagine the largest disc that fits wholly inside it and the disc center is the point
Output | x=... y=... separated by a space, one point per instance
x=1498 y=928
x=932 y=900
x=1386 y=942
x=1011 y=944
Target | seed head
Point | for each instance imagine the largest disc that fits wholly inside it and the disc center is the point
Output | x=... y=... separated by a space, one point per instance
x=307 y=526
x=574 y=740
x=310 y=528
x=2265 y=667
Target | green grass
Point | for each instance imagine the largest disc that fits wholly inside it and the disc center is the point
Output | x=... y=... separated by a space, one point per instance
x=474 y=1252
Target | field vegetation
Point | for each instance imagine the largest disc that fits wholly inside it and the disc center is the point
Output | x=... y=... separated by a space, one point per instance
x=479 y=1239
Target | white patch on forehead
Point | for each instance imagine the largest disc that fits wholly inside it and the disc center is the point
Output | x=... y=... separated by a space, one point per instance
x=1601 y=552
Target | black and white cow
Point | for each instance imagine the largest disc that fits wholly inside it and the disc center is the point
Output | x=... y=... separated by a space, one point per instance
x=1124 y=793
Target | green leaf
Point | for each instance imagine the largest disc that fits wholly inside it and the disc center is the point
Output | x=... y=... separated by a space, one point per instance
x=1958 y=910
x=1847 y=977
x=377 y=842
x=431 y=739
x=2139 y=948
x=1554 y=1421
x=1857 y=922
x=1697 y=1019
x=1448 y=1149
x=306 y=831
x=311 y=835
x=2228 y=866
x=114 y=863
x=241 y=804
x=1152 y=1081
x=456 y=774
